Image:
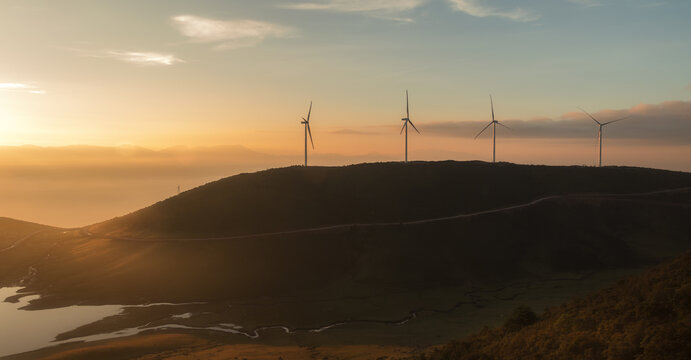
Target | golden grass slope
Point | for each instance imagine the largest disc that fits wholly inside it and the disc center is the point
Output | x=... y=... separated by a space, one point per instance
x=642 y=317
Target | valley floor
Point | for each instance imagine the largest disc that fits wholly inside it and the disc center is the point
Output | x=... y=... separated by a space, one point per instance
x=451 y=313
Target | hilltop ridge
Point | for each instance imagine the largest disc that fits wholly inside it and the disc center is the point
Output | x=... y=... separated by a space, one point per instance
x=297 y=197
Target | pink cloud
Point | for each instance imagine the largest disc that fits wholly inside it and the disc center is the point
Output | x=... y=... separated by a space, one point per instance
x=667 y=122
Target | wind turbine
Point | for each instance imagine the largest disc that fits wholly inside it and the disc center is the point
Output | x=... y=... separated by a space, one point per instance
x=306 y=122
x=599 y=131
x=405 y=125
x=494 y=124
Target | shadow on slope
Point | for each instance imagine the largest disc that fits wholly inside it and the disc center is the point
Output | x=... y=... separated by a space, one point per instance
x=564 y=235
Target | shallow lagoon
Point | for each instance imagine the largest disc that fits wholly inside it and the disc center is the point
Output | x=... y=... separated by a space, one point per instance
x=23 y=330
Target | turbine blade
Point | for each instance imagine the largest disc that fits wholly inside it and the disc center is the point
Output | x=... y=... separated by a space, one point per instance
x=483 y=130
x=403 y=128
x=310 y=132
x=411 y=123
x=613 y=121
x=590 y=116
x=309 y=113
x=407 y=105
x=492 y=104
x=504 y=125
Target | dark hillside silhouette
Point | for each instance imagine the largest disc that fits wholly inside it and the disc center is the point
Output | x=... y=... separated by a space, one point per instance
x=298 y=197
x=509 y=248
x=565 y=234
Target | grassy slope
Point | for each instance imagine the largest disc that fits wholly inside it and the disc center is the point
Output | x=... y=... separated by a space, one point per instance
x=298 y=197
x=549 y=238
x=11 y=230
x=533 y=242
x=643 y=317
x=566 y=235
x=14 y=263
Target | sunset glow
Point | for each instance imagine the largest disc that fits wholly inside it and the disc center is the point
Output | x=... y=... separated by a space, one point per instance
x=242 y=73
x=345 y=179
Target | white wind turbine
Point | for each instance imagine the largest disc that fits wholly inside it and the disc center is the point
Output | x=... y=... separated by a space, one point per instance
x=494 y=124
x=599 y=131
x=405 y=125
x=306 y=122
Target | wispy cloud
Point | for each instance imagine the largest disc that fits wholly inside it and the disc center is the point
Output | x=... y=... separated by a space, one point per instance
x=21 y=88
x=358 y=5
x=133 y=57
x=383 y=9
x=586 y=3
x=143 y=58
x=668 y=122
x=229 y=34
x=478 y=9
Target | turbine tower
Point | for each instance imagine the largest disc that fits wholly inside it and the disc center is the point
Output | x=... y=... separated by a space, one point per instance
x=494 y=124
x=599 y=131
x=405 y=125
x=306 y=122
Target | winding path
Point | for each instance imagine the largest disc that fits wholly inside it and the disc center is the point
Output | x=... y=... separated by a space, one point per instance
x=87 y=232
x=20 y=241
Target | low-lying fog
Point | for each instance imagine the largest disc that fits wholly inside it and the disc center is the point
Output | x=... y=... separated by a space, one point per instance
x=81 y=185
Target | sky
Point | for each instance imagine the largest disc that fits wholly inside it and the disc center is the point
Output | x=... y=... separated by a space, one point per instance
x=195 y=78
